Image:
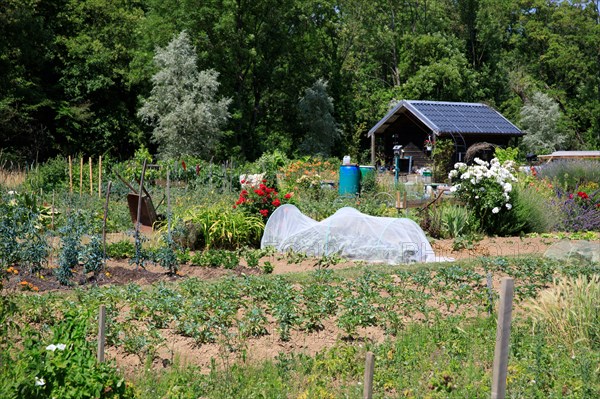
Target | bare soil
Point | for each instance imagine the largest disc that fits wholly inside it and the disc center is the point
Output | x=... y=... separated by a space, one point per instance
x=184 y=350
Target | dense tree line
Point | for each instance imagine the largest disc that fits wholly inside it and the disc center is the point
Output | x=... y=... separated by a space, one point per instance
x=75 y=73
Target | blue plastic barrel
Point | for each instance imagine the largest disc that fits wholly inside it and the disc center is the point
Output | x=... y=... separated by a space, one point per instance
x=349 y=180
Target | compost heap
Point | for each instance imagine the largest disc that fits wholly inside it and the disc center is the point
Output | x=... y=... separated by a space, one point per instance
x=350 y=234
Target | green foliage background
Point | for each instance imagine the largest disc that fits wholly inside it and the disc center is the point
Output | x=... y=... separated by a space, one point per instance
x=73 y=73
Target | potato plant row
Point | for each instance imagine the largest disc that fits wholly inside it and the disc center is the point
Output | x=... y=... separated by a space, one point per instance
x=236 y=309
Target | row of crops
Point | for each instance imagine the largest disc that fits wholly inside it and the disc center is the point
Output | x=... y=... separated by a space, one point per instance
x=232 y=312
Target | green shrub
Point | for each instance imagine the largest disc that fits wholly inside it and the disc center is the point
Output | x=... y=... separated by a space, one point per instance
x=49 y=176
x=533 y=210
x=63 y=366
x=71 y=248
x=506 y=154
x=166 y=255
x=216 y=258
x=123 y=249
x=487 y=189
x=450 y=221
x=215 y=227
x=92 y=256
x=442 y=159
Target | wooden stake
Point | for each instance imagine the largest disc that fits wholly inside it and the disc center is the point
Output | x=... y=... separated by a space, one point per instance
x=70 y=175
x=141 y=192
x=91 y=177
x=369 y=367
x=104 y=221
x=101 y=333
x=52 y=212
x=100 y=176
x=139 y=210
x=80 y=176
x=168 y=203
x=502 y=338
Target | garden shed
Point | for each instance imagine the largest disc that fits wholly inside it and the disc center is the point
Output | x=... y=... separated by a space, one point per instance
x=417 y=124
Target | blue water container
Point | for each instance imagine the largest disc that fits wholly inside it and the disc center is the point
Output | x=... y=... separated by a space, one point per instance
x=349 y=180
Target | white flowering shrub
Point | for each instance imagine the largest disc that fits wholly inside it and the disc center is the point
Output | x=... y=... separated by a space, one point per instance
x=487 y=190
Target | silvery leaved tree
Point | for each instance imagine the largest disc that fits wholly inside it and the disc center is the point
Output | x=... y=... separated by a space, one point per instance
x=540 y=119
x=183 y=106
x=315 y=110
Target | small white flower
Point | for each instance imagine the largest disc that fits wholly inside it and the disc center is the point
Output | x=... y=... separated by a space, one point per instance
x=496 y=210
x=52 y=347
x=39 y=382
x=508 y=206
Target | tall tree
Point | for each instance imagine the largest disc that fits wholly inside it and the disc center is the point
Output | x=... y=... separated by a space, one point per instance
x=540 y=119
x=26 y=79
x=95 y=42
x=182 y=107
x=315 y=110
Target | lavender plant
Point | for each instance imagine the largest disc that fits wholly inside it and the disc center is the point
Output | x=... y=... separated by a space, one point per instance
x=578 y=211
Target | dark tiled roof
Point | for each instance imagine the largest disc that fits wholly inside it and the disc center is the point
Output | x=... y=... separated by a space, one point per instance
x=448 y=117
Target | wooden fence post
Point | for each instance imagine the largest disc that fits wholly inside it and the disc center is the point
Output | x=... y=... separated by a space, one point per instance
x=101 y=333
x=70 y=175
x=368 y=384
x=502 y=338
x=80 y=176
x=104 y=221
x=91 y=177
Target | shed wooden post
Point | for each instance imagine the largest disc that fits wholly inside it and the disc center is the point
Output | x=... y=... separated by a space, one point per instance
x=373 y=149
x=502 y=338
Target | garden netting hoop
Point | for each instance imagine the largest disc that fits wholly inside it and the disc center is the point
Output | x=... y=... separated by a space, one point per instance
x=349 y=234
